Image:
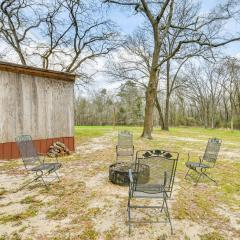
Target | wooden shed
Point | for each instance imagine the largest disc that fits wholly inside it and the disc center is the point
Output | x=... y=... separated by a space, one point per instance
x=37 y=102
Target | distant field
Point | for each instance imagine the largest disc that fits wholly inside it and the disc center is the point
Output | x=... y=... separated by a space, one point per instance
x=85 y=132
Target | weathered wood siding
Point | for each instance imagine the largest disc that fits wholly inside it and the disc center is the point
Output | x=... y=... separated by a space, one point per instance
x=38 y=106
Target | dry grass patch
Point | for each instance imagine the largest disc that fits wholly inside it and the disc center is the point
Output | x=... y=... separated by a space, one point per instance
x=212 y=236
x=84 y=205
x=30 y=212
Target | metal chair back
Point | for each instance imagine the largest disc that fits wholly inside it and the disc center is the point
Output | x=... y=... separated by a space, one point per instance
x=28 y=151
x=125 y=139
x=162 y=168
x=212 y=150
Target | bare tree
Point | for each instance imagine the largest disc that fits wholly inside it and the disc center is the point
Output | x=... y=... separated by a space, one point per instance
x=55 y=37
x=70 y=35
x=16 y=25
x=202 y=31
x=232 y=87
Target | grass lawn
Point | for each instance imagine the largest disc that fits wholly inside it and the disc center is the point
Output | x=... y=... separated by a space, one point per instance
x=86 y=206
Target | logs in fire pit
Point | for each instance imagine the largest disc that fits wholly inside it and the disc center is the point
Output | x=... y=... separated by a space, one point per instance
x=58 y=149
x=118 y=173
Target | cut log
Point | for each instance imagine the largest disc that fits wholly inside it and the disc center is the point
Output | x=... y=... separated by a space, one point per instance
x=58 y=149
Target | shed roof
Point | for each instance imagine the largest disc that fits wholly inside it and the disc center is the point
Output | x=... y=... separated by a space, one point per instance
x=34 y=71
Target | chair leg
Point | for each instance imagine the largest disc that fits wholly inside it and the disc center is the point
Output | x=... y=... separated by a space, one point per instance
x=129 y=217
x=168 y=214
x=200 y=174
x=59 y=180
x=162 y=206
x=128 y=204
x=46 y=185
x=40 y=175
x=206 y=175
x=187 y=173
x=25 y=185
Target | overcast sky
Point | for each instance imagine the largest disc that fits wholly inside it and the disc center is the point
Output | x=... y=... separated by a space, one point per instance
x=129 y=22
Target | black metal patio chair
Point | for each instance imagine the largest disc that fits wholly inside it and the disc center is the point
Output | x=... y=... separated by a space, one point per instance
x=206 y=162
x=32 y=161
x=162 y=168
x=124 y=147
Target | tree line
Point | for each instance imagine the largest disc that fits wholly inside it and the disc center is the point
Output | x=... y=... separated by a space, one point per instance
x=206 y=94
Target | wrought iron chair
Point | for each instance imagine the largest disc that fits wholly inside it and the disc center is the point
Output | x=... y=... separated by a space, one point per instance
x=32 y=161
x=162 y=168
x=124 y=147
x=206 y=162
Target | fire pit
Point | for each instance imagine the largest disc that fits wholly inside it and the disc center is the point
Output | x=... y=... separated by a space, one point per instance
x=118 y=173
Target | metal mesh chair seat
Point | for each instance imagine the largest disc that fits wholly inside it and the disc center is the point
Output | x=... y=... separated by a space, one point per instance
x=147 y=195
x=148 y=191
x=196 y=165
x=47 y=166
x=206 y=162
x=162 y=167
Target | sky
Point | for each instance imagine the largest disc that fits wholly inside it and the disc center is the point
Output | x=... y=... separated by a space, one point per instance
x=128 y=22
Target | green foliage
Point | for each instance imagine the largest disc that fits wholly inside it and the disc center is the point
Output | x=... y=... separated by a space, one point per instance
x=212 y=236
x=190 y=121
x=31 y=200
x=110 y=234
x=57 y=214
x=90 y=214
x=30 y=212
x=89 y=234
x=162 y=237
x=83 y=133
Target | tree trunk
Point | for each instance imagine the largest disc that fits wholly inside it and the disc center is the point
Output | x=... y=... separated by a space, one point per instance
x=213 y=118
x=150 y=100
x=161 y=119
x=151 y=91
x=205 y=115
x=22 y=59
x=226 y=115
x=166 y=128
x=232 y=114
x=213 y=113
x=114 y=116
x=232 y=123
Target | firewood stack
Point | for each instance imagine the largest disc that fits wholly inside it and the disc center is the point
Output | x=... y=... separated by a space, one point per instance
x=58 y=149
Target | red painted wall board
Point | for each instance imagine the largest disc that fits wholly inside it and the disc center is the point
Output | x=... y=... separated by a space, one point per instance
x=10 y=150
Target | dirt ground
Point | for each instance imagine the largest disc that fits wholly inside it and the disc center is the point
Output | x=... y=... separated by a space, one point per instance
x=85 y=205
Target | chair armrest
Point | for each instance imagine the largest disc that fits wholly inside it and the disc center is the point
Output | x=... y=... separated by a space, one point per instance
x=200 y=158
x=188 y=157
x=165 y=179
x=130 y=189
x=42 y=157
x=130 y=176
